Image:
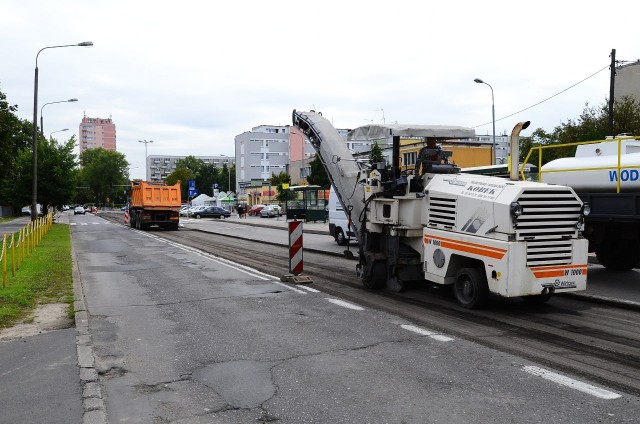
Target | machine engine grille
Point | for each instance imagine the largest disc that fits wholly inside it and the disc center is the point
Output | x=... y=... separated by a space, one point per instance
x=442 y=212
x=548 y=223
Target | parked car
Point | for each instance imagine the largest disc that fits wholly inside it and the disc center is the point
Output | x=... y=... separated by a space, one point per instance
x=212 y=212
x=193 y=209
x=78 y=210
x=255 y=210
x=271 y=211
x=184 y=210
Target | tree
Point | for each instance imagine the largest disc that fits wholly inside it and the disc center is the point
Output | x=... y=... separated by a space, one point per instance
x=376 y=155
x=277 y=181
x=101 y=171
x=318 y=175
x=182 y=175
x=192 y=163
x=208 y=176
x=12 y=142
x=57 y=172
x=592 y=125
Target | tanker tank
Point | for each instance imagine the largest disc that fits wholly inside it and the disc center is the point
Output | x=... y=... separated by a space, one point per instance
x=595 y=168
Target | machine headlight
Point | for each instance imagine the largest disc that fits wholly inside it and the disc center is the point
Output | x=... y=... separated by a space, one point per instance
x=516 y=209
x=586 y=209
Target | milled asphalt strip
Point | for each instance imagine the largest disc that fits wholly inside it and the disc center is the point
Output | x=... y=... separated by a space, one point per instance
x=92 y=400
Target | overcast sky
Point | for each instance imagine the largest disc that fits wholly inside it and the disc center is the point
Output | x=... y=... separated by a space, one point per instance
x=191 y=75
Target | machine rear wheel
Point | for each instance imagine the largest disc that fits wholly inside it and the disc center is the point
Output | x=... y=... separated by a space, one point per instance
x=378 y=277
x=471 y=288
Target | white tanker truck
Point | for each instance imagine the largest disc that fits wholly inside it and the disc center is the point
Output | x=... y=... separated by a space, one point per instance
x=606 y=175
x=479 y=234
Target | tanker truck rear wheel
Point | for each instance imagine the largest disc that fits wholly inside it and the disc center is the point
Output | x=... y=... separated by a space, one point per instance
x=620 y=256
x=471 y=288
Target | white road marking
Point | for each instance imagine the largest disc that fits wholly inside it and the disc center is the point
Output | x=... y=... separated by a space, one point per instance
x=425 y=332
x=569 y=382
x=345 y=304
x=311 y=289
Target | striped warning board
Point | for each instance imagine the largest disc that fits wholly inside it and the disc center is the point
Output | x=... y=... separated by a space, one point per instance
x=126 y=216
x=295 y=247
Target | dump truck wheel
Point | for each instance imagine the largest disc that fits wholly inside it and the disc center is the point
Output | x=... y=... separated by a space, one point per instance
x=471 y=288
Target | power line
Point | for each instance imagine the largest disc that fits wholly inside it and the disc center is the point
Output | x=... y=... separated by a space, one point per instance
x=548 y=98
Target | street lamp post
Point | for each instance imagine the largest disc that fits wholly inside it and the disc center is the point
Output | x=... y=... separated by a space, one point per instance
x=50 y=103
x=34 y=138
x=146 y=168
x=493 y=118
x=65 y=129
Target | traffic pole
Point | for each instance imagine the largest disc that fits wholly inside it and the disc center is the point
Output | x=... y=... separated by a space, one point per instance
x=296 y=263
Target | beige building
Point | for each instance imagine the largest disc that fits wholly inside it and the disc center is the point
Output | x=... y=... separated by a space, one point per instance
x=97 y=132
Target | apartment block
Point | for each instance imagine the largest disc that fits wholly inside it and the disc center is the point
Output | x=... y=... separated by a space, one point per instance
x=97 y=132
x=159 y=167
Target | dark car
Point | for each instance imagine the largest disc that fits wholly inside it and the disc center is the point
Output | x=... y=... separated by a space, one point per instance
x=212 y=212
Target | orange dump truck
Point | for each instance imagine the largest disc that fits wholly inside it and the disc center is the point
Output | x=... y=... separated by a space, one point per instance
x=154 y=204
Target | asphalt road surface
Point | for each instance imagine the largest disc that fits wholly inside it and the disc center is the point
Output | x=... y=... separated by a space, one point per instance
x=180 y=335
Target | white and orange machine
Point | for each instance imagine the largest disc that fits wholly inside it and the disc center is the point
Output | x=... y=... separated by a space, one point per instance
x=477 y=233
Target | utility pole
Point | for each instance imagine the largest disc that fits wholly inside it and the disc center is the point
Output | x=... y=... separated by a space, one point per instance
x=611 y=90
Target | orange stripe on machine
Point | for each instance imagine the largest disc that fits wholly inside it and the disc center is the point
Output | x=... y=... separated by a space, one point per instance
x=559 y=270
x=463 y=246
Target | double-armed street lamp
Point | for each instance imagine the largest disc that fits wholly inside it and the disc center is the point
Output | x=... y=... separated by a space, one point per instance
x=50 y=103
x=34 y=139
x=146 y=167
x=65 y=129
x=493 y=118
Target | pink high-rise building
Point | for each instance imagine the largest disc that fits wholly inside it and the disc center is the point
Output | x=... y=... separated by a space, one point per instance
x=97 y=132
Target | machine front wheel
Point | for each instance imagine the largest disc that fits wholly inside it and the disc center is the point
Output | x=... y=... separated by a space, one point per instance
x=471 y=288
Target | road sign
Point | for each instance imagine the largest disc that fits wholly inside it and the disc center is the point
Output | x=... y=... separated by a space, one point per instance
x=192 y=184
x=193 y=193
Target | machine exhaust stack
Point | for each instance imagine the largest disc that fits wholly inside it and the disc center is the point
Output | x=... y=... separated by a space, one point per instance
x=514 y=145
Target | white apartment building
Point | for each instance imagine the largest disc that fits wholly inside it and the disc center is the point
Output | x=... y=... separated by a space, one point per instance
x=159 y=167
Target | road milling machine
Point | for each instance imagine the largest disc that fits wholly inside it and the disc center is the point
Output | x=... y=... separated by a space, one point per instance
x=481 y=235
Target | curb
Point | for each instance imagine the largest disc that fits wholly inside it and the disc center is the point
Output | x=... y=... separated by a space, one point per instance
x=92 y=399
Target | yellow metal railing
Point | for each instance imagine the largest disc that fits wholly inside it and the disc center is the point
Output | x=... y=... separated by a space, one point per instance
x=18 y=249
x=619 y=167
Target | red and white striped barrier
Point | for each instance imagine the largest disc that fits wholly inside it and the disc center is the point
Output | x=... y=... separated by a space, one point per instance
x=295 y=247
x=126 y=216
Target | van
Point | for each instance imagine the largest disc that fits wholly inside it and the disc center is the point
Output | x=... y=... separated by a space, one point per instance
x=338 y=221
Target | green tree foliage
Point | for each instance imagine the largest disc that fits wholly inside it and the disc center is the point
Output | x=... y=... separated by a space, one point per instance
x=102 y=171
x=182 y=175
x=205 y=176
x=376 y=155
x=10 y=129
x=318 y=175
x=592 y=125
x=277 y=181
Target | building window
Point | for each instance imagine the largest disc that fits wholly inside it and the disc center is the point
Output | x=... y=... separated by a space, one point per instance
x=409 y=158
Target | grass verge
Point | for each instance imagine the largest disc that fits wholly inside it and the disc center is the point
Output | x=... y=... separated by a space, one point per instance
x=45 y=276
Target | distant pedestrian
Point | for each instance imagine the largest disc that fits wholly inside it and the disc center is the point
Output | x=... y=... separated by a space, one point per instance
x=240 y=211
